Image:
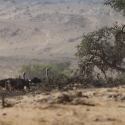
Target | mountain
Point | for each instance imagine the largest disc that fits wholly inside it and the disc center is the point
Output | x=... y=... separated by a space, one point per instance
x=32 y=32
x=54 y=1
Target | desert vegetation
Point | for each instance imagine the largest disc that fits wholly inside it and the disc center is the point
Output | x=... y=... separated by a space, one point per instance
x=39 y=70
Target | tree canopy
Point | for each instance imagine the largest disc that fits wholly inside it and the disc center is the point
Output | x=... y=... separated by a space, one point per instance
x=104 y=48
x=117 y=5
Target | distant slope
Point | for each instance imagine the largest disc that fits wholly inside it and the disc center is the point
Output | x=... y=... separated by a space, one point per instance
x=32 y=32
x=55 y=1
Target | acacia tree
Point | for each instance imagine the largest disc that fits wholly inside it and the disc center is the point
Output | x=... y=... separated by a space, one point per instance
x=104 y=48
x=117 y=5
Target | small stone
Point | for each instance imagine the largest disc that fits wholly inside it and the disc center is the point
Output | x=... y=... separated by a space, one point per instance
x=63 y=98
x=4 y=114
x=109 y=96
x=123 y=98
x=50 y=102
x=79 y=94
x=96 y=119
x=74 y=88
x=87 y=109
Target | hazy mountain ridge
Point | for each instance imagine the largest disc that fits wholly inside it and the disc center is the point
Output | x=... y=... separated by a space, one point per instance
x=54 y=1
x=42 y=33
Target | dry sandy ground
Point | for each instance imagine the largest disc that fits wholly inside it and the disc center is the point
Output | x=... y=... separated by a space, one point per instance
x=104 y=106
x=43 y=33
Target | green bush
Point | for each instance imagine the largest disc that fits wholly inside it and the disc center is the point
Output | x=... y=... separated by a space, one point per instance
x=121 y=76
x=39 y=70
x=46 y=2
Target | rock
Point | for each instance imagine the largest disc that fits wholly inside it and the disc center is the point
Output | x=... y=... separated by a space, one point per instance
x=4 y=114
x=63 y=98
x=110 y=96
x=79 y=94
x=74 y=88
x=82 y=101
x=123 y=98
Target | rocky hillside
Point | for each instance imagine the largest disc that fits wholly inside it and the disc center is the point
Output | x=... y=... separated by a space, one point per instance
x=32 y=32
x=54 y=1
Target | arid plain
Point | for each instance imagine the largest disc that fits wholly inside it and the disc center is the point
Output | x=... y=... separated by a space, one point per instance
x=42 y=33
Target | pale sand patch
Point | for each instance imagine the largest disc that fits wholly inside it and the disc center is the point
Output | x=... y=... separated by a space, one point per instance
x=94 y=106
